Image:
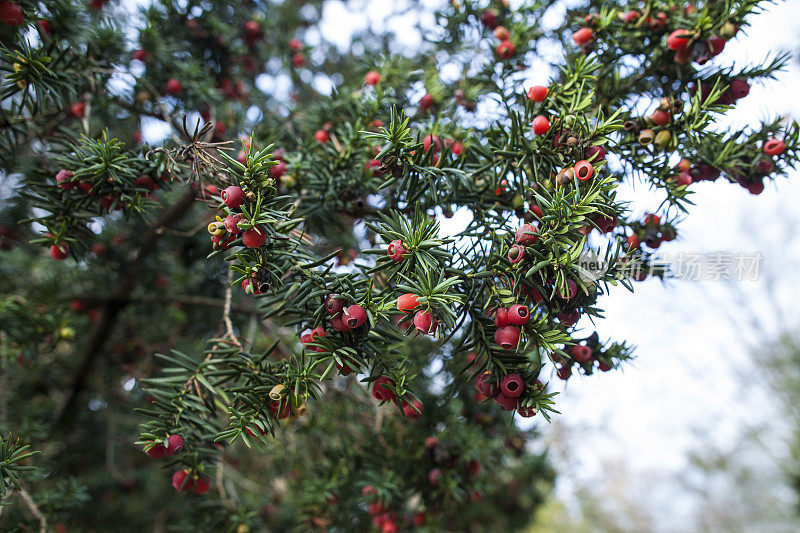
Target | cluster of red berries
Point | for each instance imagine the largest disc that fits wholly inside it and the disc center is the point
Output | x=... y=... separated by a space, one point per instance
x=584 y=355
x=382 y=517
x=310 y=338
x=296 y=47
x=424 y=320
x=506 y=47
x=224 y=232
x=184 y=481
x=508 y=392
x=650 y=232
x=737 y=89
x=346 y=317
x=174 y=444
x=65 y=179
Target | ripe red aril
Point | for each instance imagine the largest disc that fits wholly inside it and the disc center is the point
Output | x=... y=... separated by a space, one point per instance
x=233 y=196
x=678 y=40
x=373 y=77
x=505 y=49
x=540 y=125
x=425 y=322
x=174 y=87
x=512 y=385
x=583 y=36
x=396 y=250
x=774 y=147
x=519 y=314
x=526 y=235
x=254 y=238
x=507 y=337
x=174 y=444
x=382 y=389
x=354 y=316
x=537 y=93
x=584 y=170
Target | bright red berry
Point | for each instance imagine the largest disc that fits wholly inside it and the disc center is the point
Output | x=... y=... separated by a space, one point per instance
x=373 y=78
x=486 y=387
x=277 y=171
x=502 y=33
x=233 y=196
x=774 y=147
x=678 y=40
x=507 y=337
x=537 y=93
x=396 y=250
x=431 y=141
x=581 y=354
x=540 y=125
x=295 y=45
x=354 y=316
x=505 y=49
x=322 y=136
x=425 y=322
x=334 y=304
x=407 y=302
x=412 y=409
x=518 y=314
x=426 y=102
x=254 y=238
x=583 y=36
x=252 y=27
x=595 y=153
x=583 y=170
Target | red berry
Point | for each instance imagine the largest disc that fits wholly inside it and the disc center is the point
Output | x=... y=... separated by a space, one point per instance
x=425 y=322
x=277 y=171
x=338 y=324
x=252 y=27
x=431 y=141
x=334 y=304
x=678 y=40
x=526 y=235
x=632 y=242
x=254 y=238
x=201 y=485
x=78 y=109
x=144 y=182
x=505 y=49
x=156 y=452
x=298 y=60
x=660 y=117
x=564 y=372
x=63 y=178
x=59 y=251
x=232 y=224
x=180 y=482
x=434 y=476
x=505 y=402
x=512 y=385
x=373 y=78
x=295 y=45
x=507 y=337
x=413 y=409
x=537 y=93
x=419 y=519
x=771 y=147
x=739 y=89
x=502 y=33
x=382 y=389
x=501 y=317
x=516 y=253
x=716 y=45
x=685 y=179
x=540 y=125
x=572 y=291
x=426 y=102
x=174 y=444
x=485 y=387
x=44 y=27
x=140 y=54
x=583 y=36
x=595 y=153
x=174 y=87
x=396 y=250
x=489 y=18
x=249 y=286
x=11 y=14
x=630 y=16
x=233 y=196
x=581 y=354
x=519 y=315
x=354 y=316
x=604 y=367
x=583 y=170
x=322 y=136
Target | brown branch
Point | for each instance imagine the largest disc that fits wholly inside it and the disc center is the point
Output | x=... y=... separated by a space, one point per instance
x=125 y=285
x=34 y=509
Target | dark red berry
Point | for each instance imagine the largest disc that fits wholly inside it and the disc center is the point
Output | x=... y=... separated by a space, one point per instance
x=233 y=196
x=526 y=235
x=518 y=314
x=174 y=444
x=354 y=316
x=254 y=238
x=512 y=385
x=507 y=337
x=382 y=389
x=425 y=322
x=505 y=402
